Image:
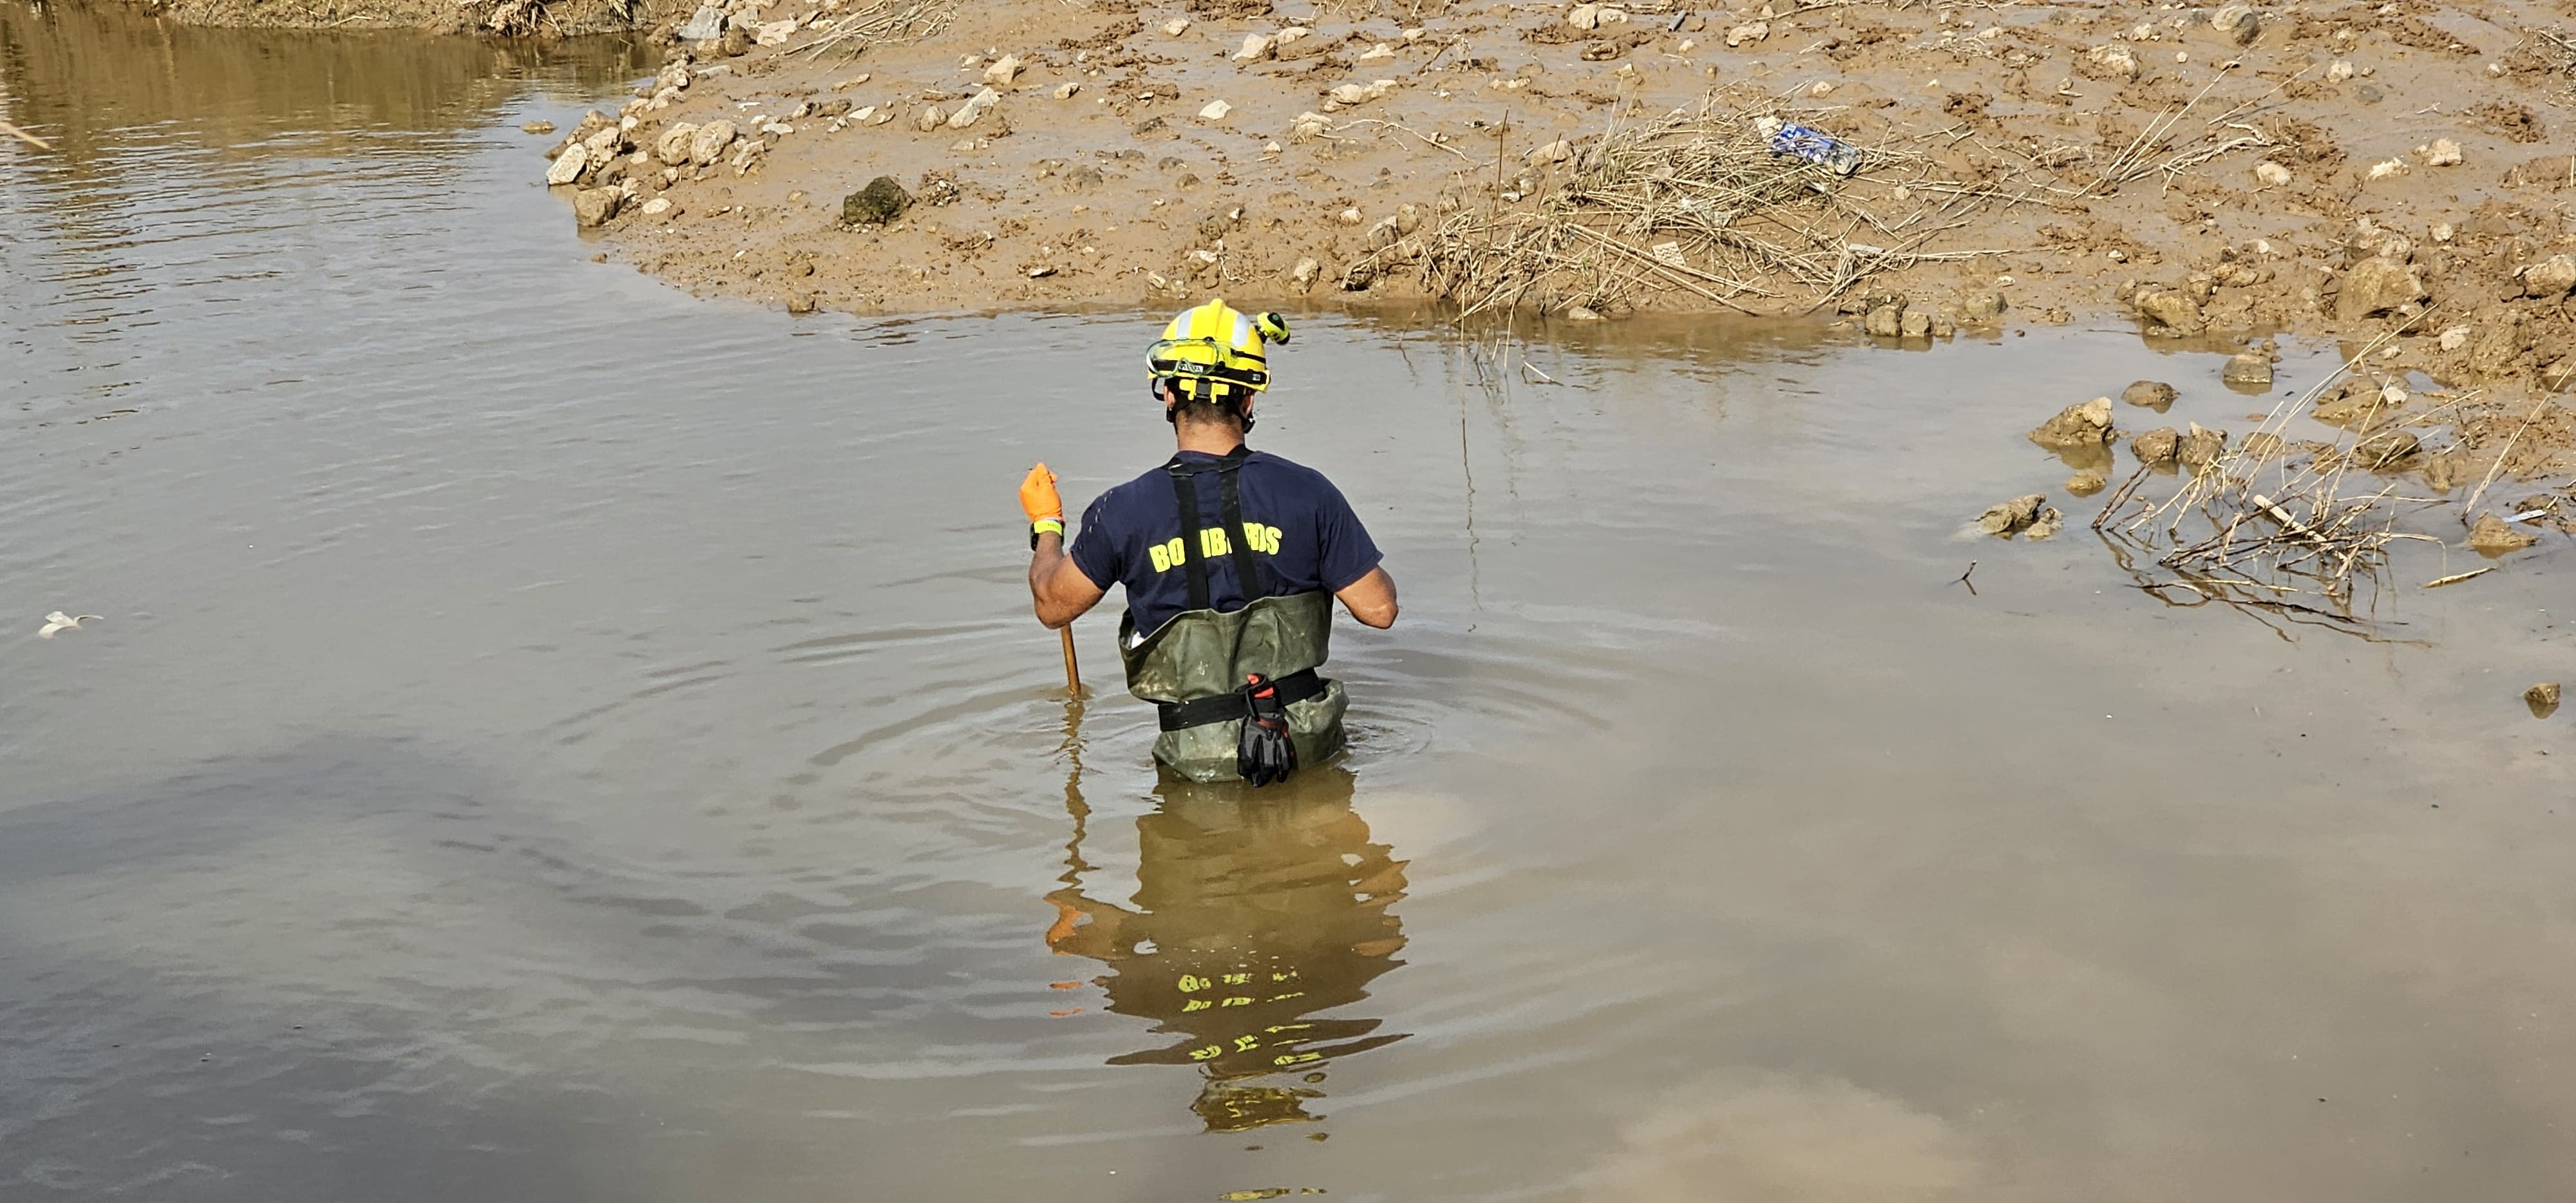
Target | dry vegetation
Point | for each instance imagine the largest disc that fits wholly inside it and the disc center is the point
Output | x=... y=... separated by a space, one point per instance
x=2305 y=529
x=1697 y=201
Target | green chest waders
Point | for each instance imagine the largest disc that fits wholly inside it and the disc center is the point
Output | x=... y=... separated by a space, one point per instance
x=1193 y=669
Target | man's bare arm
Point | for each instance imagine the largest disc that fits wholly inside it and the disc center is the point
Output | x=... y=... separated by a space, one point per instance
x=1061 y=592
x=1370 y=599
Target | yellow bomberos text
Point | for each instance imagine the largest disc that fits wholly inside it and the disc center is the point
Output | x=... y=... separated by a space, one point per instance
x=1213 y=544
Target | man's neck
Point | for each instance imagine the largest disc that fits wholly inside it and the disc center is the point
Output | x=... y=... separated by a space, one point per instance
x=1209 y=438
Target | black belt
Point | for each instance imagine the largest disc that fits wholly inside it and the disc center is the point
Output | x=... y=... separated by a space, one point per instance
x=1224 y=707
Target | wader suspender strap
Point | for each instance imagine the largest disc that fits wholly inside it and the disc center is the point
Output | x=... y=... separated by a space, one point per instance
x=1247 y=569
x=1187 y=490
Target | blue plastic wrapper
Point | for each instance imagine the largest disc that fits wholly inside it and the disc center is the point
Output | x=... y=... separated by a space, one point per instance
x=1817 y=147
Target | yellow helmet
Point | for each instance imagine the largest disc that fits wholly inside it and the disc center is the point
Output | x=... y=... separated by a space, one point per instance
x=1216 y=350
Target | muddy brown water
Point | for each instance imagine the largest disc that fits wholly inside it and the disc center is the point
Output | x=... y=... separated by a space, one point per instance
x=551 y=738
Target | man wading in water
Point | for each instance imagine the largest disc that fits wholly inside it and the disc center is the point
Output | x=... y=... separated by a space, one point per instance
x=1231 y=559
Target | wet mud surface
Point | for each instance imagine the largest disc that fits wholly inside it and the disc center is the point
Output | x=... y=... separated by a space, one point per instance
x=550 y=736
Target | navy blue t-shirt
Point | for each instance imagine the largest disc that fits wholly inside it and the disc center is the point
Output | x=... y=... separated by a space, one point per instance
x=1307 y=538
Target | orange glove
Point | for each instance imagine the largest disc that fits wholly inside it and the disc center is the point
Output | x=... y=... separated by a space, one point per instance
x=1038 y=498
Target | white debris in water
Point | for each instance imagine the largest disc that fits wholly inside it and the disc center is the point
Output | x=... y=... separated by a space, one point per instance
x=59 y=621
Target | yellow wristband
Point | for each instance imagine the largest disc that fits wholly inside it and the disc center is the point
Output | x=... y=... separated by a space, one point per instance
x=1047 y=526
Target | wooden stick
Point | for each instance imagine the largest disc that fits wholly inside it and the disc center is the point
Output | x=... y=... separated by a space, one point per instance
x=38 y=143
x=1072 y=670
x=2283 y=517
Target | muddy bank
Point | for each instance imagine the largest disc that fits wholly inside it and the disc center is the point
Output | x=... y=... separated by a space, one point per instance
x=2301 y=167
x=531 y=18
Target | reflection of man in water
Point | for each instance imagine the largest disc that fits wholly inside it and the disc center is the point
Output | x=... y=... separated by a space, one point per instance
x=1252 y=916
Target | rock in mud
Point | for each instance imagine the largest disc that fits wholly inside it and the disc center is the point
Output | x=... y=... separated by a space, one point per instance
x=2169 y=311
x=2446 y=469
x=1885 y=321
x=1304 y=274
x=2087 y=482
x=930 y=117
x=2542 y=698
x=2004 y=518
x=2551 y=278
x=2495 y=536
x=2048 y=522
x=705 y=25
x=710 y=141
x=735 y=43
x=2443 y=152
x=605 y=143
x=2156 y=447
x=2271 y=173
x=973 y=110
x=2356 y=404
x=2377 y=285
x=882 y=201
x=673 y=146
x=1982 y=309
x=2152 y=394
x=1916 y=324
x=568 y=166
x=2200 y=448
x=802 y=302
x=594 y=206
x=2239 y=23
x=538 y=127
x=2113 y=62
x=2387 y=449
x=2251 y=368
x=2086 y=425
x=1003 y=71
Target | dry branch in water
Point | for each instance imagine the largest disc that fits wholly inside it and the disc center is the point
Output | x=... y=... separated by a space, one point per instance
x=2265 y=519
